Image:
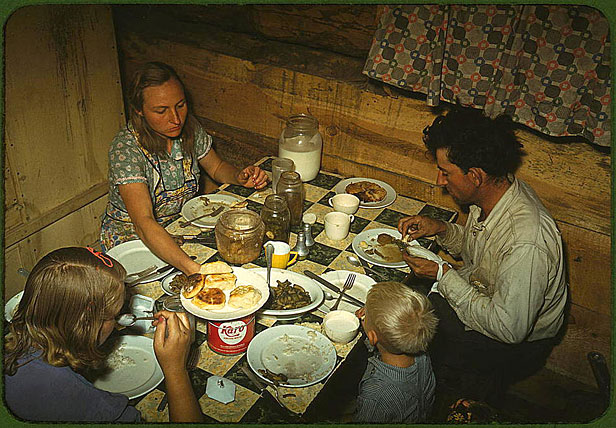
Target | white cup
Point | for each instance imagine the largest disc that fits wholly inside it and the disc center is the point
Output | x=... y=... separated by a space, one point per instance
x=337 y=225
x=341 y=326
x=345 y=203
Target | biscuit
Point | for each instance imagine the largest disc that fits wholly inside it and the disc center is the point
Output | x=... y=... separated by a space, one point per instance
x=211 y=298
x=224 y=281
x=193 y=285
x=215 y=267
x=244 y=297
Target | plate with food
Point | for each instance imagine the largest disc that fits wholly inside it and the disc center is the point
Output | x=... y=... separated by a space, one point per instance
x=136 y=257
x=376 y=246
x=371 y=193
x=220 y=292
x=360 y=288
x=291 y=295
x=204 y=204
x=132 y=367
x=11 y=306
x=291 y=356
x=171 y=284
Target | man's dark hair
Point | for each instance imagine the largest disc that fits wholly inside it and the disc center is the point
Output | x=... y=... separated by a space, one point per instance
x=475 y=140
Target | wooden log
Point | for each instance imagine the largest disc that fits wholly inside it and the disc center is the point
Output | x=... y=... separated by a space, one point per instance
x=346 y=29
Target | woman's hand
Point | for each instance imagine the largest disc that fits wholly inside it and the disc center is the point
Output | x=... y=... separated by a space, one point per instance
x=252 y=176
x=171 y=341
x=417 y=226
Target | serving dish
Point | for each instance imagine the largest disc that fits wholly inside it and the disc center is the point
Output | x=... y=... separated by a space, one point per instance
x=389 y=198
x=244 y=277
x=315 y=291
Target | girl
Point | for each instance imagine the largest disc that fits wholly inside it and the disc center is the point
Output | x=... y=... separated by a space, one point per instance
x=68 y=310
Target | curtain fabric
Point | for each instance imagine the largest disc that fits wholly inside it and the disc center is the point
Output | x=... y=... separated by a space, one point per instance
x=547 y=66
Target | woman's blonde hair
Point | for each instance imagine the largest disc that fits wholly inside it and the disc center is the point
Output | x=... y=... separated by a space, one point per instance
x=156 y=74
x=68 y=295
x=403 y=319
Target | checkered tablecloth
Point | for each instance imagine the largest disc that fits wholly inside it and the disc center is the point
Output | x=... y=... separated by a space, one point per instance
x=249 y=406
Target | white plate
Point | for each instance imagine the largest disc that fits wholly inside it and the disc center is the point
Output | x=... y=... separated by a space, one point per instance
x=11 y=306
x=302 y=354
x=370 y=237
x=389 y=198
x=244 y=277
x=164 y=284
x=360 y=288
x=195 y=208
x=135 y=257
x=133 y=380
x=316 y=293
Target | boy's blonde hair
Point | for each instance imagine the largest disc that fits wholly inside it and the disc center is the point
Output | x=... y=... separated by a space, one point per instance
x=68 y=295
x=402 y=318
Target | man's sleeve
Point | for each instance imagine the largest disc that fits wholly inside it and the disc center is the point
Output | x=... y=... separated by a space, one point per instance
x=452 y=239
x=520 y=286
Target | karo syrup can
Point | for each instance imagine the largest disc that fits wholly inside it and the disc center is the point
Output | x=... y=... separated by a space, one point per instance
x=230 y=337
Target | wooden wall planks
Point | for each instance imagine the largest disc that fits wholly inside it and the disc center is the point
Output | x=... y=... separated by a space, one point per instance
x=63 y=105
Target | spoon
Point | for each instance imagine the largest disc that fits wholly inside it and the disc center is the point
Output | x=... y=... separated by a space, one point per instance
x=269 y=253
x=355 y=262
x=128 y=320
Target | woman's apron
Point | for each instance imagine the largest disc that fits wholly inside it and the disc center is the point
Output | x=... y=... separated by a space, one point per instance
x=167 y=203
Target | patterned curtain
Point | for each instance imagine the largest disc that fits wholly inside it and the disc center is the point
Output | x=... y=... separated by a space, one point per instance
x=546 y=66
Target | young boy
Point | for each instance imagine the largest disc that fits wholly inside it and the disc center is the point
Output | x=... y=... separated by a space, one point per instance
x=398 y=384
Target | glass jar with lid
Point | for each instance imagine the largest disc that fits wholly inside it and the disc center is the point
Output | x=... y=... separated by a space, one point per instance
x=291 y=187
x=301 y=142
x=277 y=218
x=239 y=236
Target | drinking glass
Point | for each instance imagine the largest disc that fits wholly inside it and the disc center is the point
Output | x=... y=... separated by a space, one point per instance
x=280 y=165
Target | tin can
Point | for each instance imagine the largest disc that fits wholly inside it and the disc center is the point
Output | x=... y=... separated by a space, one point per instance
x=230 y=337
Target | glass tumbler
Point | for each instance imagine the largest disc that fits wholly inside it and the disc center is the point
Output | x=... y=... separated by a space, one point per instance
x=280 y=165
x=174 y=304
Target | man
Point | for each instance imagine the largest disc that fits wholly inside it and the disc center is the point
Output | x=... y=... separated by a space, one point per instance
x=500 y=313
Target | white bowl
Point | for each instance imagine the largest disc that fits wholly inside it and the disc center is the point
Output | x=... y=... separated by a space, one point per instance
x=341 y=326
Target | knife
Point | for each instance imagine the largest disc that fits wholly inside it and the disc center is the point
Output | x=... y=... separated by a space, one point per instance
x=159 y=271
x=333 y=288
x=256 y=382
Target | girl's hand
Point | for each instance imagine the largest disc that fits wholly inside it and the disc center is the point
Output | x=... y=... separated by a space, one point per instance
x=171 y=341
x=252 y=176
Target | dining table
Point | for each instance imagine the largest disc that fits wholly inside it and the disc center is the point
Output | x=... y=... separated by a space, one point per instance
x=299 y=404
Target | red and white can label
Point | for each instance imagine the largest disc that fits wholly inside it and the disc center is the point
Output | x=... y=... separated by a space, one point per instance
x=230 y=337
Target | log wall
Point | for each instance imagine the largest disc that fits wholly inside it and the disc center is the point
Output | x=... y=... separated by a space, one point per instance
x=63 y=105
x=250 y=67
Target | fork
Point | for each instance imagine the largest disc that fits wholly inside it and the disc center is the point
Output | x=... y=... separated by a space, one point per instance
x=133 y=277
x=348 y=284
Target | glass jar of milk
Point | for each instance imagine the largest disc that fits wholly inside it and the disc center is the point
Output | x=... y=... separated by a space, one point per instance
x=301 y=141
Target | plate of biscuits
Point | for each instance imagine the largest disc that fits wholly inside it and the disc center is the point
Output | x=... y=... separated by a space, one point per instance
x=371 y=193
x=220 y=292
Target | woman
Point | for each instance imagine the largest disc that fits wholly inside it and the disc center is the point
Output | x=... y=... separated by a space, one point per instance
x=68 y=310
x=154 y=166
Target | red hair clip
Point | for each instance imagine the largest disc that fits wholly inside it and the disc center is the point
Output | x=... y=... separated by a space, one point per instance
x=106 y=260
